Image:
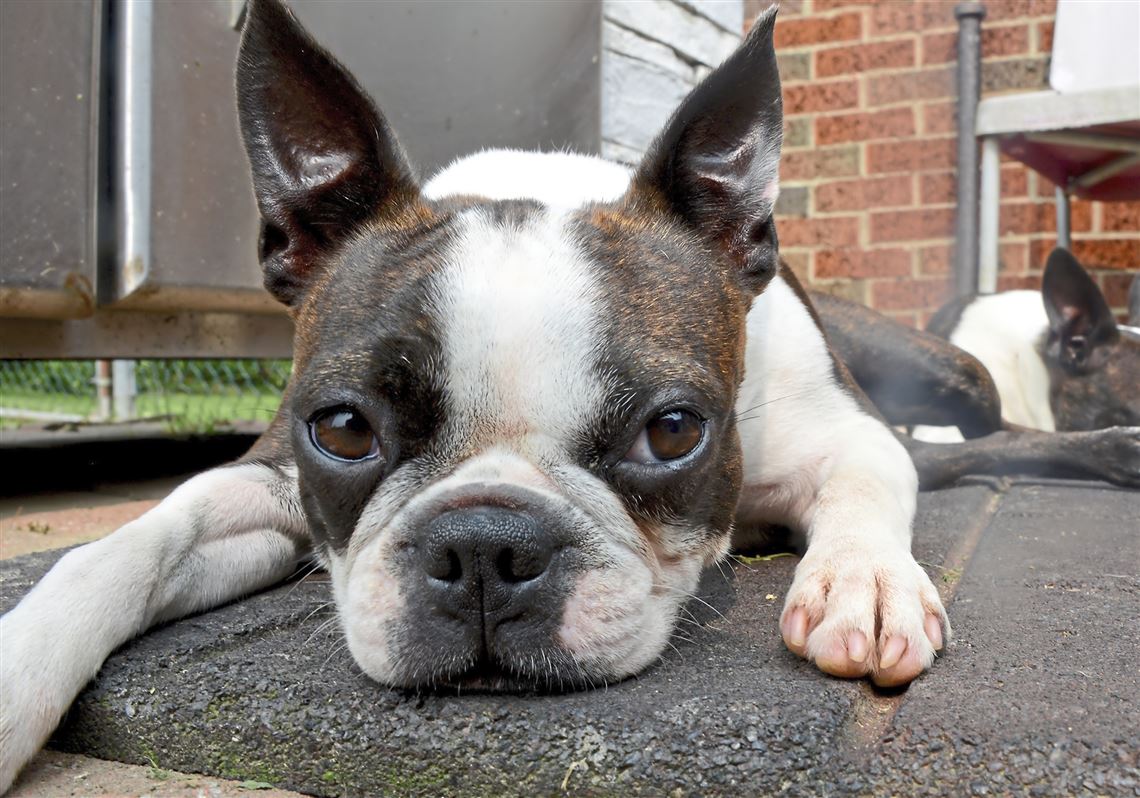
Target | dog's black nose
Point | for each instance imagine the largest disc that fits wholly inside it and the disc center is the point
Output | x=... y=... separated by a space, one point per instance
x=483 y=558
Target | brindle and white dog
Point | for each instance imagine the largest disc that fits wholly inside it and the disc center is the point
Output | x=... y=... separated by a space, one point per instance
x=531 y=400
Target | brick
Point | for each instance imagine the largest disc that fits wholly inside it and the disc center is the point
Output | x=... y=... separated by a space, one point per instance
x=1108 y=254
x=936 y=260
x=1018 y=282
x=798 y=261
x=997 y=10
x=1121 y=217
x=942 y=48
x=1020 y=73
x=811 y=164
x=840 y=128
x=917 y=84
x=1116 y=286
x=793 y=201
x=752 y=9
x=940 y=118
x=1039 y=249
x=813 y=97
x=1014 y=181
x=889 y=18
x=1041 y=217
x=1013 y=257
x=908 y=318
x=864 y=58
x=1045 y=37
x=820 y=6
x=794 y=66
x=814 y=30
x=1026 y=217
x=909 y=294
x=913 y=225
x=919 y=155
x=852 y=290
x=831 y=232
x=833 y=263
x=857 y=195
x=937 y=188
x=797 y=132
x=937 y=15
x=942 y=188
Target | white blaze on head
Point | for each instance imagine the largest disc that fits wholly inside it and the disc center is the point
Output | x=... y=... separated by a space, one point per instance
x=519 y=312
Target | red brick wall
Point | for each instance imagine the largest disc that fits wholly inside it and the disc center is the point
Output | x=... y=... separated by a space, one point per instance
x=868 y=178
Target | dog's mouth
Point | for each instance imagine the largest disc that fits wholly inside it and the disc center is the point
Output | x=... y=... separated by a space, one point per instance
x=541 y=674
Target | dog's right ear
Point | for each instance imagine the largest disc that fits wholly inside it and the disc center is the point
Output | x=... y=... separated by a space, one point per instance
x=716 y=164
x=1080 y=320
x=324 y=160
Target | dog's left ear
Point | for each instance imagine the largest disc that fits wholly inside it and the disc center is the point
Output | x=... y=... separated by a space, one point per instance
x=717 y=162
x=1079 y=317
x=324 y=160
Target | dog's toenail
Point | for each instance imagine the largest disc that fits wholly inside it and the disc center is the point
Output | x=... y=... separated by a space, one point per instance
x=892 y=652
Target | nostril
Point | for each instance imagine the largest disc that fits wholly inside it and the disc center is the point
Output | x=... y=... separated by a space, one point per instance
x=443 y=564
x=514 y=567
x=454 y=567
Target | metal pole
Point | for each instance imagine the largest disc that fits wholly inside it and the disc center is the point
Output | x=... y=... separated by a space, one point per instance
x=969 y=17
x=988 y=227
x=124 y=388
x=1064 y=221
x=103 y=388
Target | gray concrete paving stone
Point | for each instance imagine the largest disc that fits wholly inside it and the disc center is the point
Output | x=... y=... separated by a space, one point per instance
x=263 y=689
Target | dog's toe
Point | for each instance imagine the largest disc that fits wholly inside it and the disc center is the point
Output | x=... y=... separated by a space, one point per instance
x=855 y=618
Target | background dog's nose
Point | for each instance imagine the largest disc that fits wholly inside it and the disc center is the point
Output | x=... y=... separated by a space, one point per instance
x=488 y=550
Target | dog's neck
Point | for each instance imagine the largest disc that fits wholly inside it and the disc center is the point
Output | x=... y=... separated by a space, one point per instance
x=1007 y=332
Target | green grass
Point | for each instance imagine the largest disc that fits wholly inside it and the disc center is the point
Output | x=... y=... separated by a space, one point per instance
x=184 y=412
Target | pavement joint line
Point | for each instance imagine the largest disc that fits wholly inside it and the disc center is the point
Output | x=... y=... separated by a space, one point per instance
x=873 y=712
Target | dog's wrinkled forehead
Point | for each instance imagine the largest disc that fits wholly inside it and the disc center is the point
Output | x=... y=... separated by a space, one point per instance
x=519 y=311
x=528 y=324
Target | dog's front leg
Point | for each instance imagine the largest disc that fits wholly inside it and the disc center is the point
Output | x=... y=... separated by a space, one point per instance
x=224 y=533
x=860 y=604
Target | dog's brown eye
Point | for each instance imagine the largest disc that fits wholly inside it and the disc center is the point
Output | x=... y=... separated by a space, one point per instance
x=344 y=434
x=669 y=436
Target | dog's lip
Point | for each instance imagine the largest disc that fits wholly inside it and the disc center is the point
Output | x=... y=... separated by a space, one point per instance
x=488 y=676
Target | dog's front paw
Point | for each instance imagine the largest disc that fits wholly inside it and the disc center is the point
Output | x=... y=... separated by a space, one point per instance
x=854 y=613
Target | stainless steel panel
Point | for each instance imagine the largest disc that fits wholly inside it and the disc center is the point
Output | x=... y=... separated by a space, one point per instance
x=186 y=221
x=453 y=77
x=48 y=114
x=138 y=334
x=457 y=77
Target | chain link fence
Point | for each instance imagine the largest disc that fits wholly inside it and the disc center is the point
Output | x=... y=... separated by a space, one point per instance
x=189 y=396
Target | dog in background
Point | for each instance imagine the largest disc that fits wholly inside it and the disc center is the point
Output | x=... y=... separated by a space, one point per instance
x=1057 y=356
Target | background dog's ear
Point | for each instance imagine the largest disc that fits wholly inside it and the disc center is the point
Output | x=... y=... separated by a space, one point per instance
x=1079 y=317
x=717 y=162
x=323 y=158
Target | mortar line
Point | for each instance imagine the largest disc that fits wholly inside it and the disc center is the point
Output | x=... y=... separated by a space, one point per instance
x=873 y=713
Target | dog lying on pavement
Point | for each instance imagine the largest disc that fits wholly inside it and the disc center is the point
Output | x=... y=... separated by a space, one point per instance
x=531 y=401
x=1022 y=382
x=1058 y=357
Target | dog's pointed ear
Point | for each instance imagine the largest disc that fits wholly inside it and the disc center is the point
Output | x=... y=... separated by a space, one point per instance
x=1079 y=317
x=717 y=162
x=323 y=158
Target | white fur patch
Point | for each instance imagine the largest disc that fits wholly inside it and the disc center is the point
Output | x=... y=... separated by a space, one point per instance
x=561 y=180
x=519 y=311
x=1004 y=331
